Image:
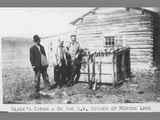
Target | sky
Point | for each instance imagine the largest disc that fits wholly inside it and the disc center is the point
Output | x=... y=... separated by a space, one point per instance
x=25 y=22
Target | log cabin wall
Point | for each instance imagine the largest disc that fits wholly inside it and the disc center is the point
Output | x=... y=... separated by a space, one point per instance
x=135 y=28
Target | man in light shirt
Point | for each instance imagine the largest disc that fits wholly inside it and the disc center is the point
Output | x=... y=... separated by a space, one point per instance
x=74 y=48
x=60 y=65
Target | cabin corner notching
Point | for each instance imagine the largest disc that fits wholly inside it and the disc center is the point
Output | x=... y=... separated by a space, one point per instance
x=135 y=28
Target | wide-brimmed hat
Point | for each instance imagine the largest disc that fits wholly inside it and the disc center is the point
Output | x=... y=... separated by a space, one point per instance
x=60 y=42
x=36 y=38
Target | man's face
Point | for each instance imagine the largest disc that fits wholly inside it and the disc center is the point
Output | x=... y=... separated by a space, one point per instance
x=73 y=38
x=61 y=43
x=38 y=41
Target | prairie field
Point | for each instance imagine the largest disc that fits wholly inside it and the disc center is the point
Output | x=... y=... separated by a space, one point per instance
x=18 y=89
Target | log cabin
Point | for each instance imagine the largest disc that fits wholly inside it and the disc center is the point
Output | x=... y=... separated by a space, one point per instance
x=136 y=28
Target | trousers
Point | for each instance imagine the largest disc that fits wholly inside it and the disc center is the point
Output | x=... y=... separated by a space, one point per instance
x=38 y=71
x=60 y=75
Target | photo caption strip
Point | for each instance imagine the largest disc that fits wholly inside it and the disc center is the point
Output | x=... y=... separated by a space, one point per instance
x=84 y=108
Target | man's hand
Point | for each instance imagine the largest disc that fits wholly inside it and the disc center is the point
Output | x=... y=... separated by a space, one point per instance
x=59 y=63
x=33 y=67
x=55 y=63
x=76 y=55
x=66 y=62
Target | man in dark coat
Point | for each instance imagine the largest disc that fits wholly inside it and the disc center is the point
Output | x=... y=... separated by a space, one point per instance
x=35 y=58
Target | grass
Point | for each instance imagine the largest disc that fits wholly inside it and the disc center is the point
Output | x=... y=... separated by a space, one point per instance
x=18 y=86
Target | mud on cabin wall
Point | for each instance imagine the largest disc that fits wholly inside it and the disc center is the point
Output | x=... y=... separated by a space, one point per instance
x=131 y=27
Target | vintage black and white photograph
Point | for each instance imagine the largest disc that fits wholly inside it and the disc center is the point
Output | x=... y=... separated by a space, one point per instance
x=80 y=55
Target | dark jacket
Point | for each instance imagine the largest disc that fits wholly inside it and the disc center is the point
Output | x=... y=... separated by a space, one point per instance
x=35 y=56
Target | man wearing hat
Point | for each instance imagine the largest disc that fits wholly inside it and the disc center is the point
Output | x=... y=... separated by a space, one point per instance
x=74 y=48
x=36 y=53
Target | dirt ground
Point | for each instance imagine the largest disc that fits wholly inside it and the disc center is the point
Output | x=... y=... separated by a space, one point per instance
x=18 y=88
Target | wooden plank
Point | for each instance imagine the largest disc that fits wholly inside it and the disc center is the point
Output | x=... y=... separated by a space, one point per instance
x=122 y=25
x=89 y=72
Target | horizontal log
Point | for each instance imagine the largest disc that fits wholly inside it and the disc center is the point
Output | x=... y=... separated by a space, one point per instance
x=117 y=15
x=141 y=59
x=139 y=42
x=141 y=50
x=116 y=24
x=118 y=21
x=124 y=34
x=132 y=45
x=117 y=11
x=110 y=29
x=141 y=55
x=123 y=31
x=131 y=39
